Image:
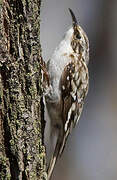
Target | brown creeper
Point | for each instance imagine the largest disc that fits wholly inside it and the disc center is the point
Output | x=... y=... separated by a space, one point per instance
x=69 y=81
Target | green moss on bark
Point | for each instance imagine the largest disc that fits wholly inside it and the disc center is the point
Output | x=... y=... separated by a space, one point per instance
x=4 y=169
x=21 y=91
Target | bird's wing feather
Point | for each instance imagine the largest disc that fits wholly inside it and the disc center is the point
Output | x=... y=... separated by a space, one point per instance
x=74 y=88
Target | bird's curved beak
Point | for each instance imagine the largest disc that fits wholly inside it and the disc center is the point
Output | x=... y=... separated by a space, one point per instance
x=74 y=20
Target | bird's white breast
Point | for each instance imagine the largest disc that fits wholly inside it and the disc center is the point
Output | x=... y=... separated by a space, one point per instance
x=59 y=60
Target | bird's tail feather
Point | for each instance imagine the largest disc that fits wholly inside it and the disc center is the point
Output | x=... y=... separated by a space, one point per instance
x=57 y=153
x=54 y=158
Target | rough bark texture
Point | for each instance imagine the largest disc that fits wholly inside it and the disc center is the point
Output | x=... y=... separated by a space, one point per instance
x=22 y=153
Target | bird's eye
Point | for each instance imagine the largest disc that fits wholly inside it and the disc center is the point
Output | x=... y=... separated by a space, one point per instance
x=78 y=36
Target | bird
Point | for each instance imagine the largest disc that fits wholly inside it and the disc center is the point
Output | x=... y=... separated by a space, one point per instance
x=68 y=86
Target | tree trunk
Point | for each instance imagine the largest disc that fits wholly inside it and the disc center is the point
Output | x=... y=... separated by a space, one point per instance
x=22 y=152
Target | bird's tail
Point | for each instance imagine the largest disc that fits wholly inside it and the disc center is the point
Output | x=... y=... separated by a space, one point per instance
x=54 y=158
x=57 y=153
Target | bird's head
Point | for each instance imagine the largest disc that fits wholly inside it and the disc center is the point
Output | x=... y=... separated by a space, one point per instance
x=79 y=39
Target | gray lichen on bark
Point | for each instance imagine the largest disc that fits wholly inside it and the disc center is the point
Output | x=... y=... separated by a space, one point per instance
x=22 y=152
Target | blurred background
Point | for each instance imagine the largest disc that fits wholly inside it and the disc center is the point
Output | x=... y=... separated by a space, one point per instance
x=91 y=150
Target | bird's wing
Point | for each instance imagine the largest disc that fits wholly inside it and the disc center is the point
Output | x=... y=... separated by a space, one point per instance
x=74 y=87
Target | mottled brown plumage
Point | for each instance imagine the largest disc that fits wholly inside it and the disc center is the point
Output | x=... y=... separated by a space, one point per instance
x=69 y=82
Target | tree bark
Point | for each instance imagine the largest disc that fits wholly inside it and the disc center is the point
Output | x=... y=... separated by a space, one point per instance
x=22 y=151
